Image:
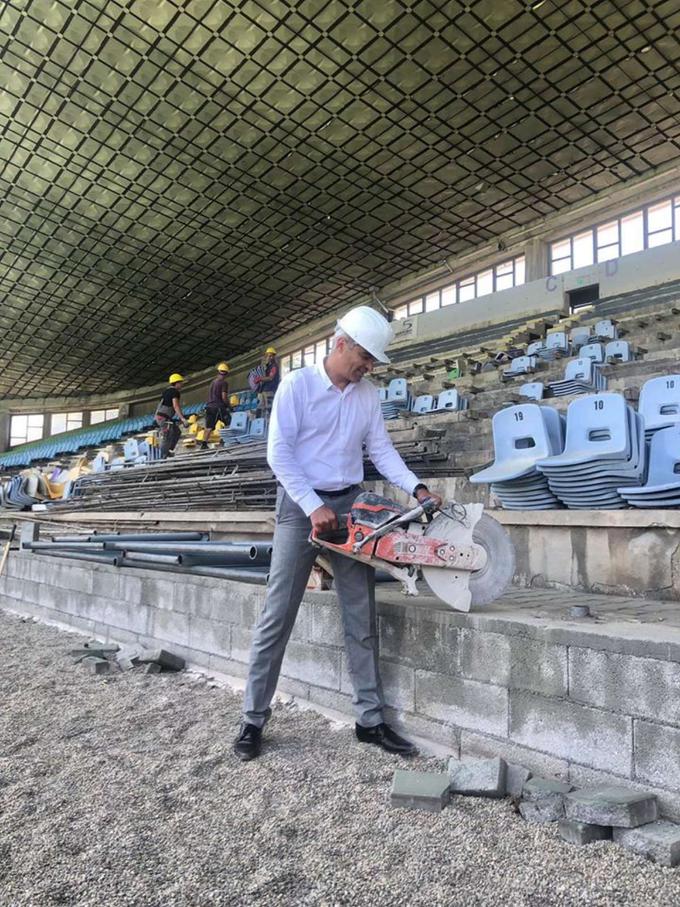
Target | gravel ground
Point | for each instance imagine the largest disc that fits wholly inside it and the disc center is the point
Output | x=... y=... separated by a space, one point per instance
x=123 y=791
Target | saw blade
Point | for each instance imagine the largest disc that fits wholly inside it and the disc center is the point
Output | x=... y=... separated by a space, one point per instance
x=484 y=585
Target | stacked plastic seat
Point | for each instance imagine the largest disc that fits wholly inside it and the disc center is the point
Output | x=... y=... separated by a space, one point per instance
x=425 y=403
x=604 y=451
x=605 y=330
x=532 y=390
x=237 y=428
x=663 y=482
x=552 y=347
x=450 y=400
x=618 y=351
x=523 y=435
x=659 y=403
x=521 y=365
x=581 y=376
x=258 y=432
x=578 y=337
x=398 y=399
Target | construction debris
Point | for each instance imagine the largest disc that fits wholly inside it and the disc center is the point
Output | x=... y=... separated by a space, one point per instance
x=611 y=806
x=580 y=833
x=658 y=841
x=420 y=790
x=97 y=665
x=481 y=778
x=164 y=659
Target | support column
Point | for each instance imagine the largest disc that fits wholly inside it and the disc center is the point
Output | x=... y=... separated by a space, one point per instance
x=4 y=432
x=536 y=253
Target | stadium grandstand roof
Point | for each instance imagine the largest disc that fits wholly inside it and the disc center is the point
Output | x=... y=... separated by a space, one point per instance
x=180 y=181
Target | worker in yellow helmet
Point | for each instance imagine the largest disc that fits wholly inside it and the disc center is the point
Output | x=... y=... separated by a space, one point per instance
x=268 y=382
x=167 y=412
x=217 y=408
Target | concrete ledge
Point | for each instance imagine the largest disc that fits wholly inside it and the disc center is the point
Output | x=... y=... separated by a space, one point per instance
x=587 y=699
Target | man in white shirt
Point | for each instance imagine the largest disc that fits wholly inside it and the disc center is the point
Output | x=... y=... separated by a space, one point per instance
x=322 y=417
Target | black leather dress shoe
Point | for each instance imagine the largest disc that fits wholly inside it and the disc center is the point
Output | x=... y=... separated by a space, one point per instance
x=383 y=736
x=248 y=744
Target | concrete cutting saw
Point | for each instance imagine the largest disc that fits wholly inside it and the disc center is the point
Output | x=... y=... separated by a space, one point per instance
x=463 y=554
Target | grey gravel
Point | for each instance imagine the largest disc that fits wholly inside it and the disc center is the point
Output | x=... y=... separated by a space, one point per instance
x=122 y=790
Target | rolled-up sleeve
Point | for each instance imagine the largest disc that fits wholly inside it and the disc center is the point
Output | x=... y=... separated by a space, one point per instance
x=283 y=430
x=382 y=452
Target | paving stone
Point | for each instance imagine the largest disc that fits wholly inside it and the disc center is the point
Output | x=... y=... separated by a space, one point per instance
x=153 y=668
x=542 y=811
x=420 y=790
x=96 y=665
x=87 y=653
x=574 y=832
x=611 y=806
x=516 y=776
x=163 y=658
x=109 y=647
x=126 y=664
x=481 y=778
x=658 y=841
x=537 y=789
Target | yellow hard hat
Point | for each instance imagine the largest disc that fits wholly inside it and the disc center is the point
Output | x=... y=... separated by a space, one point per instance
x=193 y=418
x=223 y=367
x=234 y=400
x=174 y=378
x=270 y=349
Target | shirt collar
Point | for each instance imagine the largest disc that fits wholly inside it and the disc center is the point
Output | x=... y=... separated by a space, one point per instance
x=327 y=383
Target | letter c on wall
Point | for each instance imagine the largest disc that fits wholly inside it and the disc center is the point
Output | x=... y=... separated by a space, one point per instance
x=551 y=284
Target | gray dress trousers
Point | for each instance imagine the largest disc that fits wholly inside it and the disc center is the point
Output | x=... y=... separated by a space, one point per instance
x=292 y=560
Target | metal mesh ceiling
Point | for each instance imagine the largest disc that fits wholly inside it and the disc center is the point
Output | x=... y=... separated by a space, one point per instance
x=182 y=181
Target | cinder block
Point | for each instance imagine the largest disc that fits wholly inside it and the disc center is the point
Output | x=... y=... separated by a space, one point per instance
x=399 y=685
x=611 y=806
x=574 y=732
x=162 y=658
x=241 y=640
x=420 y=790
x=580 y=833
x=169 y=626
x=516 y=777
x=645 y=687
x=538 y=789
x=658 y=841
x=29 y=532
x=419 y=643
x=152 y=668
x=542 y=811
x=96 y=665
x=209 y=635
x=465 y=703
x=326 y=624
x=314 y=664
x=485 y=657
x=481 y=778
x=657 y=754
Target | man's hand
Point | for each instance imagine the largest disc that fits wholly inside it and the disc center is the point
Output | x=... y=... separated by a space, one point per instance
x=423 y=494
x=323 y=519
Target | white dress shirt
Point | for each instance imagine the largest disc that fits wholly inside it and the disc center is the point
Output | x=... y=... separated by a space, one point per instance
x=316 y=434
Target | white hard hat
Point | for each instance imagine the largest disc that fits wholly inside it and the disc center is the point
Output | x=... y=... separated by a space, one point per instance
x=369 y=329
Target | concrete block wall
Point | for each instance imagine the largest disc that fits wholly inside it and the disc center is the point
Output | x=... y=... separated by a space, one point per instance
x=584 y=702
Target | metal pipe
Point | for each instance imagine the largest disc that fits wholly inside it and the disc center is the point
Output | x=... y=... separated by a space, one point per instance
x=255 y=575
x=64 y=546
x=213 y=551
x=96 y=557
x=143 y=558
x=134 y=537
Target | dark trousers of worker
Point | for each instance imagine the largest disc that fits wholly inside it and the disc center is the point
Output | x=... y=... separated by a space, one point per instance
x=292 y=560
x=169 y=433
x=215 y=413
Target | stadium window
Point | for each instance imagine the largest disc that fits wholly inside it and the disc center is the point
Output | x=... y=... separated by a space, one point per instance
x=25 y=428
x=632 y=233
x=582 y=247
x=660 y=224
x=645 y=228
x=432 y=301
x=415 y=307
x=103 y=415
x=321 y=347
x=485 y=283
x=401 y=311
x=449 y=296
x=65 y=422
x=309 y=355
x=296 y=360
x=466 y=289
x=285 y=365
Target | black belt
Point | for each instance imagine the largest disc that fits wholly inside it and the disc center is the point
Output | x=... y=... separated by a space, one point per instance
x=334 y=494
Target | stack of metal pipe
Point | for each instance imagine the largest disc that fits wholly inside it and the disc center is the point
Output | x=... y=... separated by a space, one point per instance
x=221 y=479
x=179 y=552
